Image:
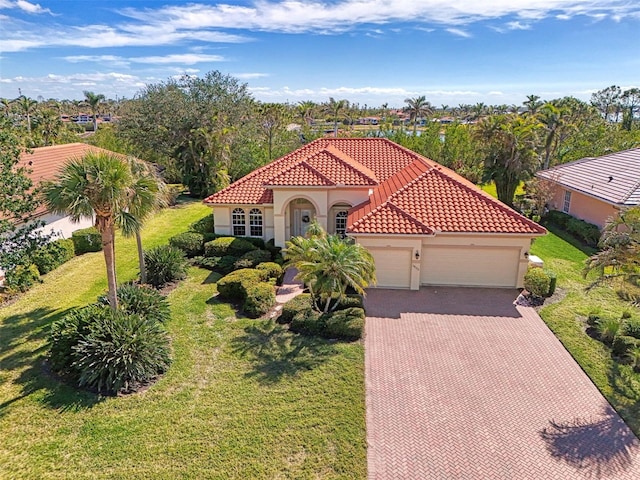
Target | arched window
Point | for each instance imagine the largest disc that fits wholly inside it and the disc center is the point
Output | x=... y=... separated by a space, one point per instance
x=238 y=222
x=341 y=222
x=255 y=222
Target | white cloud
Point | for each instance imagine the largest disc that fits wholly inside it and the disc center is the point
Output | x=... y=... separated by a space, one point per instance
x=183 y=58
x=31 y=7
x=459 y=32
x=517 y=25
x=249 y=76
x=103 y=59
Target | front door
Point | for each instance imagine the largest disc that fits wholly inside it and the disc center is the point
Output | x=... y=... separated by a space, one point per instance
x=301 y=219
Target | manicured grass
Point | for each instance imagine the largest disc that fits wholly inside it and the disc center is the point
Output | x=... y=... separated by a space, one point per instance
x=490 y=188
x=243 y=398
x=618 y=383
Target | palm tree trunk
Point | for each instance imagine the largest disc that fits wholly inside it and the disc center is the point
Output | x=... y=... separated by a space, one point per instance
x=143 y=267
x=108 y=250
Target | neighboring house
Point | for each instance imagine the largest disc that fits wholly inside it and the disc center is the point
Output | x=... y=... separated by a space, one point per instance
x=423 y=223
x=594 y=189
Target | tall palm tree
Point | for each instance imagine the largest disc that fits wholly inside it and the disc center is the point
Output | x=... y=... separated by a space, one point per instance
x=28 y=107
x=306 y=110
x=336 y=109
x=418 y=107
x=532 y=103
x=94 y=100
x=6 y=106
x=100 y=185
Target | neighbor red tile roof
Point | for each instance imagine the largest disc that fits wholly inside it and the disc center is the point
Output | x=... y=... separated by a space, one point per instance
x=411 y=194
x=45 y=162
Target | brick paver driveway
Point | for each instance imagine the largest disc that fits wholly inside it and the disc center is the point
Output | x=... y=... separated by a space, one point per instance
x=463 y=385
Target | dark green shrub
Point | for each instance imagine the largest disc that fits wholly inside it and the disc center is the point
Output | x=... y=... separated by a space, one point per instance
x=608 y=329
x=141 y=300
x=631 y=327
x=275 y=251
x=622 y=345
x=121 y=352
x=191 y=243
x=67 y=332
x=227 y=246
x=233 y=285
x=537 y=282
x=209 y=236
x=174 y=190
x=21 y=277
x=594 y=316
x=558 y=218
x=587 y=232
x=86 y=240
x=301 y=303
x=253 y=258
x=553 y=280
x=347 y=324
x=255 y=241
x=273 y=270
x=349 y=301
x=165 y=264
x=204 y=225
x=53 y=254
x=260 y=298
x=308 y=322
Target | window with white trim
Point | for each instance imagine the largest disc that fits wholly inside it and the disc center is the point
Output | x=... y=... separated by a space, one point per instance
x=238 y=222
x=255 y=222
x=567 y=201
x=341 y=222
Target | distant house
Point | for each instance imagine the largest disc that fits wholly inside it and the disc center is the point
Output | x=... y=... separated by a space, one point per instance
x=595 y=189
x=423 y=223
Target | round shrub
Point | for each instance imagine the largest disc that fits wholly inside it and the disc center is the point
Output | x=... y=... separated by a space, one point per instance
x=253 y=258
x=553 y=280
x=255 y=241
x=623 y=344
x=233 y=285
x=165 y=264
x=204 y=225
x=191 y=243
x=300 y=303
x=308 y=322
x=537 y=282
x=121 y=352
x=86 y=240
x=53 y=254
x=260 y=298
x=350 y=301
x=141 y=300
x=273 y=270
x=21 y=277
x=347 y=324
x=227 y=246
x=67 y=332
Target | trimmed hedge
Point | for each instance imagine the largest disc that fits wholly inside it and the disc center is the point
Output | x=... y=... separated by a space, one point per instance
x=227 y=246
x=537 y=282
x=53 y=254
x=86 y=240
x=553 y=281
x=584 y=231
x=191 y=243
x=558 y=218
x=204 y=225
x=300 y=303
x=233 y=285
x=253 y=258
x=273 y=270
x=344 y=324
x=260 y=298
x=22 y=277
x=347 y=324
x=308 y=322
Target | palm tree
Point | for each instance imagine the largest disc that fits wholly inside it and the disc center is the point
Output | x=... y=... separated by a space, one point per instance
x=93 y=100
x=28 y=107
x=100 y=185
x=336 y=108
x=329 y=265
x=6 y=106
x=418 y=107
x=532 y=103
x=306 y=110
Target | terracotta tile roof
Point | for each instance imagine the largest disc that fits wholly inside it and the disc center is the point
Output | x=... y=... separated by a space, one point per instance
x=45 y=162
x=414 y=195
x=614 y=178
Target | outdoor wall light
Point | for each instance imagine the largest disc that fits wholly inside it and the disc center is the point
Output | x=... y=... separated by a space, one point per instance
x=417 y=255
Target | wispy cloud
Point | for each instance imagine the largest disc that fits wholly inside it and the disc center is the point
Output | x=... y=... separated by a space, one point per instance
x=459 y=32
x=28 y=7
x=249 y=76
x=182 y=58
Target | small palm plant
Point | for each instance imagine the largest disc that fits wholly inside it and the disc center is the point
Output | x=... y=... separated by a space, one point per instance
x=609 y=328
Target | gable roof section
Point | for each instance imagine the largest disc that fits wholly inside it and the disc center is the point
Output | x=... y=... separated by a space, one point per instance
x=440 y=201
x=614 y=178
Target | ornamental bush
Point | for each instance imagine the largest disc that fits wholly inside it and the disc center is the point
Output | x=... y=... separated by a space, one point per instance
x=260 y=298
x=632 y=327
x=233 y=285
x=86 y=240
x=65 y=335
x=623 y=344
x=553 y=280
x=587 y=232
x=53 y=254
x=273 y=270
x=300 y=303
x=308 y=322
x=21 y=278
x=141 y=300
x=537 y=282
x=347 y=324
x=227 y=246
x=191 y=243
x=165 y=264
x=204 y=225
x=121 y=352
x=253 y=258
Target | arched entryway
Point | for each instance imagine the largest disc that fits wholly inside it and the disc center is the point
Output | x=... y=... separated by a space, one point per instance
x=301 y=212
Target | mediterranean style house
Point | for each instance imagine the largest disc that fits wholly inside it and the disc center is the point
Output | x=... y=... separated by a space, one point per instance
x=595 y=189
x=423 y=223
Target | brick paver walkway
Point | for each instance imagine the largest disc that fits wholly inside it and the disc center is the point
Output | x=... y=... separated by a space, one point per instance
x=460 y=384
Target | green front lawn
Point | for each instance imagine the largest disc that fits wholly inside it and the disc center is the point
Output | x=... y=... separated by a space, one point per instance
x=243 y=398
x=565 y=318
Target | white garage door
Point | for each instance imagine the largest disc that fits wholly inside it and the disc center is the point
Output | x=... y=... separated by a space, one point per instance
x=470 y=266
x=393 y=267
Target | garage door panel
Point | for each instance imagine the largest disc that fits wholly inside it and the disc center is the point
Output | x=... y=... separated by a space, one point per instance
x=470 y=266
x=393 y=267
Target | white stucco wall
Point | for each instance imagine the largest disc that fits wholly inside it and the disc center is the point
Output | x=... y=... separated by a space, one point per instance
x=62 y=227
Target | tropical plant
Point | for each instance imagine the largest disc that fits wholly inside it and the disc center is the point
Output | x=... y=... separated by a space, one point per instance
x=165 y=264
x=336 y=110
x=93 y=101
x=99 y=185
x=141 y=300
x=28 y=107
x=418 y=107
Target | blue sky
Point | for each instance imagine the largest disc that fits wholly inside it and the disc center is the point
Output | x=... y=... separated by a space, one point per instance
x=367 y=51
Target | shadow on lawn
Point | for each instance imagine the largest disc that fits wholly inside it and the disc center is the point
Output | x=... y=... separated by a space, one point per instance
x=23 y=346
x=602 y=447
x=570 y=239
x=276 y=353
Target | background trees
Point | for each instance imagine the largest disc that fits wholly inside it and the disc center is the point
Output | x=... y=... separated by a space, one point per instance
x=418 y=107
